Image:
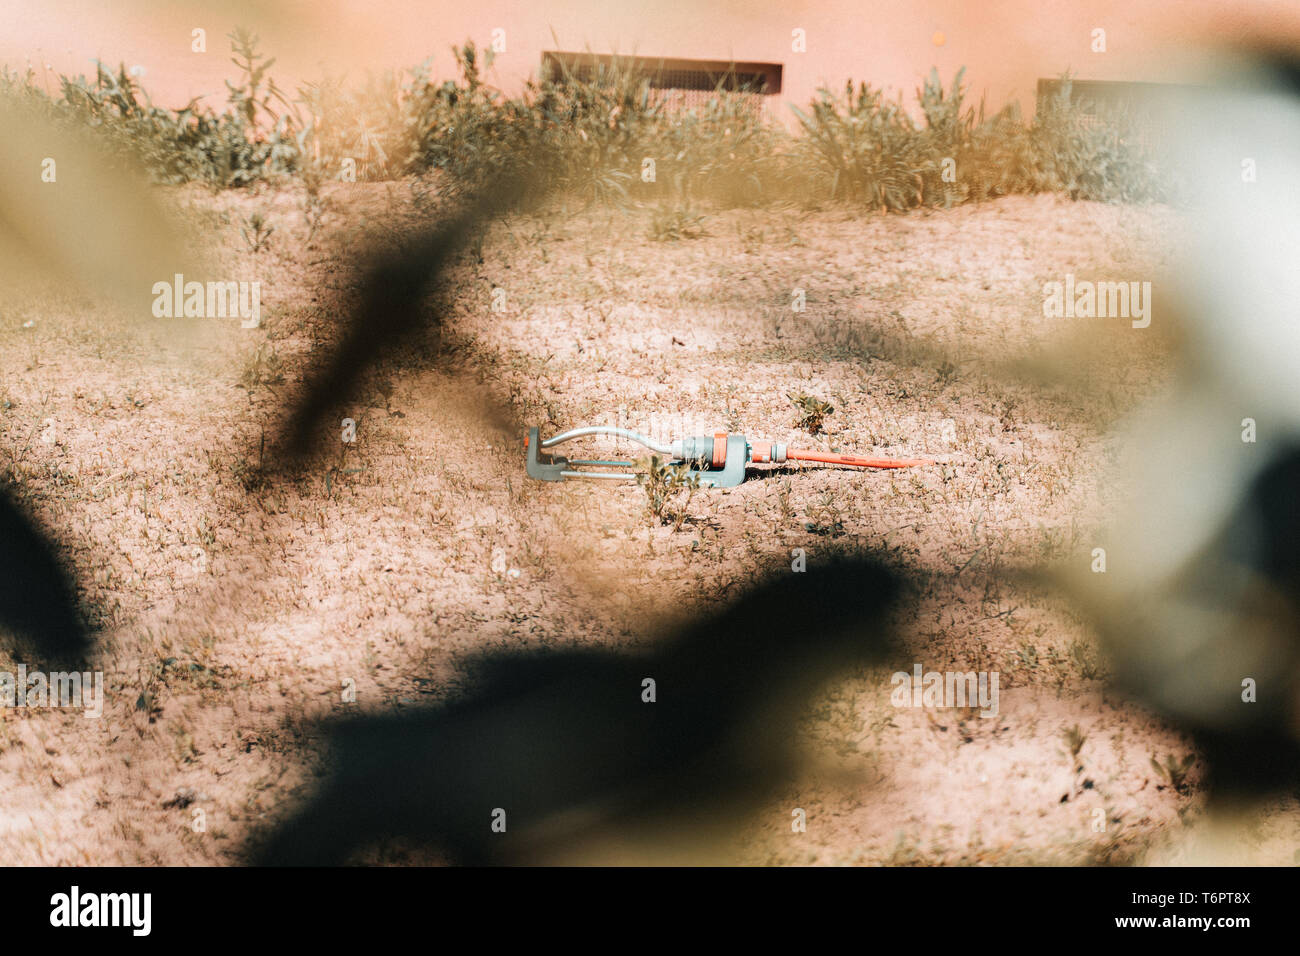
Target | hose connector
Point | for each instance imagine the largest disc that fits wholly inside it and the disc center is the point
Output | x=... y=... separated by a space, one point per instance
x=761 y=452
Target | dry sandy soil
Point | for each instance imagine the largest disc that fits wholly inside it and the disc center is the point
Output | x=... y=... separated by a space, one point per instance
x=233 y=612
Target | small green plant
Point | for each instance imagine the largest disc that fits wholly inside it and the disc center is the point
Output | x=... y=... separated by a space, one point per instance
x=813 y=410
x=1173 y=771
x=257 y=232
x=665 y=483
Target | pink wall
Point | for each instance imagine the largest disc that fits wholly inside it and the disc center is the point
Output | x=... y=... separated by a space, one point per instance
x=1006 y=45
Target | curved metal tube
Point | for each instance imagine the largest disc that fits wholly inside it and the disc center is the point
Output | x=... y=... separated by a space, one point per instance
x=599 y=474
x=662 y=448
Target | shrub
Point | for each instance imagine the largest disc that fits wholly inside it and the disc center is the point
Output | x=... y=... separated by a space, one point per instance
x=1090 y=159
x=870 y=151
x=366 y=125
x=867 y=146
x=248 y=142
x=586 y=136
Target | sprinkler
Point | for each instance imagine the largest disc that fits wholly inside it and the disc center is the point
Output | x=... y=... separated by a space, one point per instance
x=720 y=460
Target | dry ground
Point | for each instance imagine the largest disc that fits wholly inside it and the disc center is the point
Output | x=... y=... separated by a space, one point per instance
x=233 y=612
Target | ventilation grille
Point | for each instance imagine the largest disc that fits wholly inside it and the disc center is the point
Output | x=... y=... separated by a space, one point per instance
x=678 y=84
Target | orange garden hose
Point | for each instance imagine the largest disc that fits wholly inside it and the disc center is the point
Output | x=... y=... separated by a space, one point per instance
x=829 y=458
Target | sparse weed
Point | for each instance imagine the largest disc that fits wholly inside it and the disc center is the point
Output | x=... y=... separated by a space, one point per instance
x=1085 y=659
x=314 y=205
x=665 y=483
x=256 y=232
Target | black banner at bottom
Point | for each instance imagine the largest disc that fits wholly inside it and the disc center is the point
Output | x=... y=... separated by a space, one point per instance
x=331 y=907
